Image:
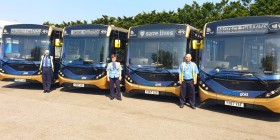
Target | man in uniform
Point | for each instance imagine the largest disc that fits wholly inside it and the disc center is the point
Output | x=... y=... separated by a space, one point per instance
x=188 y=78
x=47 y=68
x=114 y=76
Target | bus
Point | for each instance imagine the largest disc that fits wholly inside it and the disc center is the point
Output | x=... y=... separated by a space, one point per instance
x=86 y=53
x=240 y=63
x=154 y=55
x=22 y=48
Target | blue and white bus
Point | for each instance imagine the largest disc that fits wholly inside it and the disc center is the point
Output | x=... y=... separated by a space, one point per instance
x=22 y=48
x=241 y=63
x=154 y=55
x=86 y=53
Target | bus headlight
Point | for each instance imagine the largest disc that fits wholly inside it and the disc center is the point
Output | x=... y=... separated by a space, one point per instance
x=204 y=86
x=272 y=94
x=39 y=72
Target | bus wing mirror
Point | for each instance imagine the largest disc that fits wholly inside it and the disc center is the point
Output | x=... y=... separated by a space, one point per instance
x=117 y=43
x=58 y=43
x=196 y=44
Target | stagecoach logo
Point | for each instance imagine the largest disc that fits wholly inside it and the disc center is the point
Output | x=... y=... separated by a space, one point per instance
x=274 y=26
x=132 y=33
x=5 y=32
x=65 y=32
x=208 y=30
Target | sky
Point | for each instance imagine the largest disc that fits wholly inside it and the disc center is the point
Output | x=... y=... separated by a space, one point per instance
x=57 y=11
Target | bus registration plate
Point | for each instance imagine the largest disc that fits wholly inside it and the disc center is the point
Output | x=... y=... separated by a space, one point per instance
x=20 y=80
x=236 y=104
x=78 y=85
x=151 y=92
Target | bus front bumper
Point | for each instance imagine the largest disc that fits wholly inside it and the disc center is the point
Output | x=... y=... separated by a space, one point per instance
x=135 y=88
x=267 y=104
x=100 y=83
x=21 y=78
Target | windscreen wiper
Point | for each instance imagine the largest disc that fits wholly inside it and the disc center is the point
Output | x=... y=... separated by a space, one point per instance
x=254 y=75
x=170 y=73
x=136 y=70
x=7 y=62
x=73 y=66
x=32 y=62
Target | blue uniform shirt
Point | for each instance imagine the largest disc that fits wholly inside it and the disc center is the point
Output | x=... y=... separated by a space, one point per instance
x=48 y=61
x=188 y=70
x=114 y=72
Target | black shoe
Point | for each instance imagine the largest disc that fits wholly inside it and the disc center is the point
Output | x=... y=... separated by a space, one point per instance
x=44 y=91
x=182 y=106
x=111 y=98
x=120 y=99
x=193 y=107
x=48 y=91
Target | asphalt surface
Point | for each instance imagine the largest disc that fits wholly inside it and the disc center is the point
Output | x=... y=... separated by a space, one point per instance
x=85 y=113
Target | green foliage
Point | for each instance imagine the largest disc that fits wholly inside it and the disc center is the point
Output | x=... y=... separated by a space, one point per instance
x=195 y=14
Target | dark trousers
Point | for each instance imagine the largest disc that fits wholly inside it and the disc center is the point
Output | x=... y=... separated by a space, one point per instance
x=115 y=81
x=47 y=78
x=187 y=86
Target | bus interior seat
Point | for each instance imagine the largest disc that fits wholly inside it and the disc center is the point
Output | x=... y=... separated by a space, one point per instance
x=233 y=61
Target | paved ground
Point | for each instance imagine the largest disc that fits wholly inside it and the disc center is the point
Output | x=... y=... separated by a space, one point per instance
x=27 y=113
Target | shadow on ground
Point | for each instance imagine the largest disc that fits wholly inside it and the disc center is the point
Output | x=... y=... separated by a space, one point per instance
x=242 y=112
x=33 y=86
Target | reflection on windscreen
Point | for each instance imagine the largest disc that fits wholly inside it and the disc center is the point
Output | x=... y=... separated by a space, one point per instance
x=165 y=53
x=255 y=54
x=25 y=48
x=91 y=50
